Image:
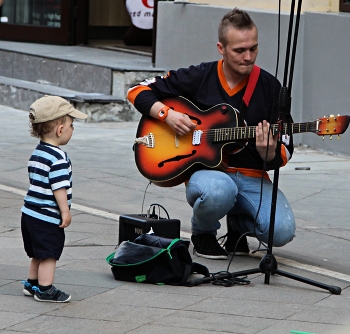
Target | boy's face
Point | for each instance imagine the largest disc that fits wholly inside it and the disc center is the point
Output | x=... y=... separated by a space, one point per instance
x=66 y=131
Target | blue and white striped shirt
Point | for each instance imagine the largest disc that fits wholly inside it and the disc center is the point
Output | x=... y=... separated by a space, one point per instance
x=49 y=169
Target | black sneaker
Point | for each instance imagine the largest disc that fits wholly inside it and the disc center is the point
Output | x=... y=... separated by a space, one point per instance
x=52 y=295
x=231 y=241
x=206 y=245
x=28 y=289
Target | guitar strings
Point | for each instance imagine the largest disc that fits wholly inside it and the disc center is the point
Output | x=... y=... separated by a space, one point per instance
x=245 y=132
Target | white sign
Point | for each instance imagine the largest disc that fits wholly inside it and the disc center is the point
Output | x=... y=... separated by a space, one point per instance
x=141 y=13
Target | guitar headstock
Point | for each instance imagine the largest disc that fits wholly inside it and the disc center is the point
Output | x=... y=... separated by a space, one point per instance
x=332 y=125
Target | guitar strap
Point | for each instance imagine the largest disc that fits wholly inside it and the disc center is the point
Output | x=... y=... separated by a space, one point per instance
x=253 y=79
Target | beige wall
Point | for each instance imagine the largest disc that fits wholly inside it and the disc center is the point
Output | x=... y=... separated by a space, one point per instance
x=113 y=12
x=307 y=5
x=108 y=13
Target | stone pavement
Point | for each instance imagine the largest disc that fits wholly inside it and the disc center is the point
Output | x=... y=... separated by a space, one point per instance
x=107 y=184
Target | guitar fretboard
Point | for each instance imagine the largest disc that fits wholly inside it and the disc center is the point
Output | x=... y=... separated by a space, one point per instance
x=246 y=132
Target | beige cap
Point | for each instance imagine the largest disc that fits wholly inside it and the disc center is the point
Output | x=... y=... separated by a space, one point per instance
x=49 y=108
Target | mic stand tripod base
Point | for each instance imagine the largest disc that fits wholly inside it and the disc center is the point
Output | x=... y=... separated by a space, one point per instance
x=268 y=266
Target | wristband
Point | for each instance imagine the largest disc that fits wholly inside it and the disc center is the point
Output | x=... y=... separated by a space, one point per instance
x=163 y=113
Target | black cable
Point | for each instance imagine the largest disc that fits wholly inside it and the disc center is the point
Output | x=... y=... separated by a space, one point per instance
x=264 y=166
x=153 y=215
x=226 y=279
x=269 y=132
x=144 y=196
x=278 y=37
x=296 y=30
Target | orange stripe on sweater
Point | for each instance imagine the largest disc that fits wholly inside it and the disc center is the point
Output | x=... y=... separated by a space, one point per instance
x=224 y=83
x=133 y=92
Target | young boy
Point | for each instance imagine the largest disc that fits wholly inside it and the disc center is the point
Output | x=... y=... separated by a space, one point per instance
x=46 y=209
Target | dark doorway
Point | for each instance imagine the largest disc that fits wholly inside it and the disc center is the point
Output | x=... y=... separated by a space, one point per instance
x=45 y=21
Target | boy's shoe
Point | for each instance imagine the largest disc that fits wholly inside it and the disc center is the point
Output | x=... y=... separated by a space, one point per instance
x=207 y=246
x=52 y=295
x=28 y=289
x=231 y=241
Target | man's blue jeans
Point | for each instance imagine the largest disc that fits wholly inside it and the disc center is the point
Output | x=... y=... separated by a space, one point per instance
x=213 y=194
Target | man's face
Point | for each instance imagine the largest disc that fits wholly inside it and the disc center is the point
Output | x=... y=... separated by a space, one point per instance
x=240 y=51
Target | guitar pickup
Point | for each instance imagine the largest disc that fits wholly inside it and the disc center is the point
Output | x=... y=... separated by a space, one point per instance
x=147 y=140
x=196 y=139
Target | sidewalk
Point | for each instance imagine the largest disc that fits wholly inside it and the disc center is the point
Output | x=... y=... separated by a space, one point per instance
x=107 y=184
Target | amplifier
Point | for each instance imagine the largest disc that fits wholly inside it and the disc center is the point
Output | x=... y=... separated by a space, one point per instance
x=131 y=226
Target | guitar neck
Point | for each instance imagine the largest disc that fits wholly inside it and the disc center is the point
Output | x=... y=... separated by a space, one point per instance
x=246 y=132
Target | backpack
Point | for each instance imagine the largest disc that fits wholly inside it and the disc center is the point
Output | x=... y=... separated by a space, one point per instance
x=153 y=259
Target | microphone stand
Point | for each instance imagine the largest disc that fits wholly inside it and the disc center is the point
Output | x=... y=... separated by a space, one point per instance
x=268 y=264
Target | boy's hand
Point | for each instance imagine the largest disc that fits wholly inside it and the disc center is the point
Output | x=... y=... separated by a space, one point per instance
x=66 y=219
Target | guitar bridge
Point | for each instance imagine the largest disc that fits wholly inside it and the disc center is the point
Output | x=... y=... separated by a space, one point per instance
x=147 y=140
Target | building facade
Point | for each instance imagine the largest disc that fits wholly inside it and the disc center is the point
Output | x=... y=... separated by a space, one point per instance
x=320 y=75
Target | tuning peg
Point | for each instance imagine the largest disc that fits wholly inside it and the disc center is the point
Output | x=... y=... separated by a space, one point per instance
x=322 y=137
x=330 y=137
x=338 y=137
x=331 y=115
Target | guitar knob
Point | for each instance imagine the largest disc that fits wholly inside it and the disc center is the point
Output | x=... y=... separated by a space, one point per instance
x=223 y=110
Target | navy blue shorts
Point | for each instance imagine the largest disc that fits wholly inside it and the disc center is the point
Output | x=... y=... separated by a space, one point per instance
x=42 y=240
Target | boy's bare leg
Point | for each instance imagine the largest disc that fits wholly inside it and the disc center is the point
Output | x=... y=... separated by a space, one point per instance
x=46 y=271
x=33 y=269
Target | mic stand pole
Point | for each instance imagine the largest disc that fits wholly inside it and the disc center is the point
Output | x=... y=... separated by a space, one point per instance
x=268 y=264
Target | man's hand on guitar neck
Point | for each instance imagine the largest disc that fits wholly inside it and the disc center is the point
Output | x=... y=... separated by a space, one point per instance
x=178 y=121
x=265 y=141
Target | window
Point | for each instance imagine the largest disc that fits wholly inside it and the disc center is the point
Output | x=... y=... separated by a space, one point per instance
x=344 y=5
x=32 y=12
x=44 y=21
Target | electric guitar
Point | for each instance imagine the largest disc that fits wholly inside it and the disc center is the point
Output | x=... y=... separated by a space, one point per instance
x=168 y=159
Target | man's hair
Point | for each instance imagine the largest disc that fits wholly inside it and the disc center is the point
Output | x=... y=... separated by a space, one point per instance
x=236 y=18
x=40 y=129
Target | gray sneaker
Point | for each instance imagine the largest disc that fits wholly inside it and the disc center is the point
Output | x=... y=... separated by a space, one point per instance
x=52 y=295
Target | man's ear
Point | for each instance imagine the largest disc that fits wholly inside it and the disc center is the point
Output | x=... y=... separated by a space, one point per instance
x=220 y=47
x=59 y=130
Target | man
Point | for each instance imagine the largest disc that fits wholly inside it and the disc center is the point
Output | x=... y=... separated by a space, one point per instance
x=244 y=190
